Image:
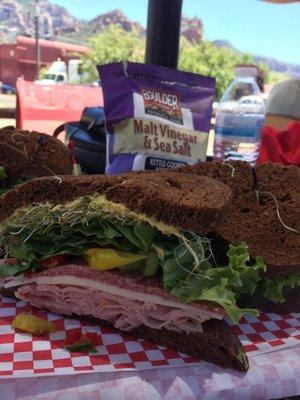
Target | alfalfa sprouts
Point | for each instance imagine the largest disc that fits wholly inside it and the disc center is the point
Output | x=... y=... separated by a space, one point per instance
x=199 y=256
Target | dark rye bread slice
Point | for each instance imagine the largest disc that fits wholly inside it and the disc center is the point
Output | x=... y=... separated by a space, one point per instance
x=186 y=201
x=217 y=343
x=255 y=222
x=235 y=174
x=258 y=223
x=53 y=189
x=45 y=155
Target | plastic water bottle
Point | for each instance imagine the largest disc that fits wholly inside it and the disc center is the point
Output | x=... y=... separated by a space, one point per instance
x=239 y=120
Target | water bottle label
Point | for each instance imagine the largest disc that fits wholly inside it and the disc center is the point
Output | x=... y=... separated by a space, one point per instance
x=246 y=126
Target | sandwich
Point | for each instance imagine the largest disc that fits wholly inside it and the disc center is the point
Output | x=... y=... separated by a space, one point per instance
x=25 y=155
x=131 y=252
x=268 y=220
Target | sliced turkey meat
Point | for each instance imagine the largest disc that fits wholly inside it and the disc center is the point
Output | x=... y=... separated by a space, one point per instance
x=124 y=300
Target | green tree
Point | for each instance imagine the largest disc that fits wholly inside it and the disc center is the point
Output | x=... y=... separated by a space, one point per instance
x=277 y=77
x=112 y=45
x=206 y=59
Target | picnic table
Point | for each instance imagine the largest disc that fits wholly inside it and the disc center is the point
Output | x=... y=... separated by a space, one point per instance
x=126 y=368
x=271 y=376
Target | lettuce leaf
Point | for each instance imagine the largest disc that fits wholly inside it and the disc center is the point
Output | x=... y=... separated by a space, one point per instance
x=273 y=289
x=12 y=270
x=45 y=230
x=39 y=232
x=222 y=285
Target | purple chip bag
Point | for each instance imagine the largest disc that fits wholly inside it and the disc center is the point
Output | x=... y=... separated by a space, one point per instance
x=156 y=117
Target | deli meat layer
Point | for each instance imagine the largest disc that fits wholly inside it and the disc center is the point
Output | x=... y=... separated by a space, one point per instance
x=127 y=300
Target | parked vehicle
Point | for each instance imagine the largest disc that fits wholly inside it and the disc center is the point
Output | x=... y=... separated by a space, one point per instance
x=61 y=72
x=7 y=89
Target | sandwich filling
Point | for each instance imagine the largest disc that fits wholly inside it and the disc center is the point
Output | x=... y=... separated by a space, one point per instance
x=108 y=236
x=126 y=301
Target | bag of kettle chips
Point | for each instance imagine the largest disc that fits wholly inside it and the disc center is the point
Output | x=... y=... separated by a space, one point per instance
x=156 y=117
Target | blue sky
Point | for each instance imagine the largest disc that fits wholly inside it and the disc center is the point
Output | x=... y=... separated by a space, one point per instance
x=250 y=25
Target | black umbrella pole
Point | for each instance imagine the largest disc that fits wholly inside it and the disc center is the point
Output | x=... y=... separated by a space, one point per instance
x=163 y=32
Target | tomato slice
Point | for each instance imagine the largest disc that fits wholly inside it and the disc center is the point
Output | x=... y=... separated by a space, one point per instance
x=11 y=261
x=53 y=261
x=84 y=343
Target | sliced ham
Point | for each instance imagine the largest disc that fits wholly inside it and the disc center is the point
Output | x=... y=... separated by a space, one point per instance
x=124 y=300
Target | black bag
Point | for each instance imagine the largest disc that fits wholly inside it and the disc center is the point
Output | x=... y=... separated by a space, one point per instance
x=89 y=138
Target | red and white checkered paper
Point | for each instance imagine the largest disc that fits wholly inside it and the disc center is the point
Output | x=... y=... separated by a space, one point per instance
x=24 y=355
